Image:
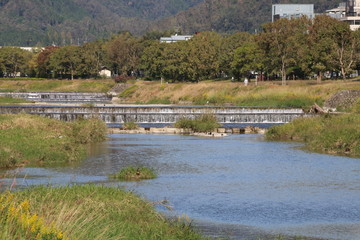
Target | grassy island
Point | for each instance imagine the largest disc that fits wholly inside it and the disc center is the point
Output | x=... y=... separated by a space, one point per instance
x=332 y=134
x=37 y=141
x=135 y=174
x=85 y=212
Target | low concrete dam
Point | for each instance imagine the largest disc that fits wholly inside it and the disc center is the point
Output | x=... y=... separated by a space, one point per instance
x=63 y=97
x=160 y=114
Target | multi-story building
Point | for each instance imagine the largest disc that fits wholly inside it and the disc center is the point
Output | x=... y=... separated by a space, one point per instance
x=349 y=12
x=292 y=11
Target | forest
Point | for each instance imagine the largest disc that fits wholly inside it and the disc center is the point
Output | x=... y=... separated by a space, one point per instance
x=63 y=22
x=286 y=49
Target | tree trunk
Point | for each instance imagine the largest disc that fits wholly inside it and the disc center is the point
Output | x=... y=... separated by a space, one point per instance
x=319 y=77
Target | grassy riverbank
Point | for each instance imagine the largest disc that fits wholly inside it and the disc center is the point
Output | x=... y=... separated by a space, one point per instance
x=272 y=94
x=100 y=85
x=327 y=134
x=12 y=101
x=85 y=212
x=33 y=140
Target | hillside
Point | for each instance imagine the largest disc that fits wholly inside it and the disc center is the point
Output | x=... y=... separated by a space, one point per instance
x=232 y=15
x=43 y=22
x=32 y=22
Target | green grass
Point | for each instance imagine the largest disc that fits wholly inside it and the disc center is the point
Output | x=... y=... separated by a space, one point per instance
x=129 y=91
x=91 y=212
x=328 y=134
x=159 y=101
x=36 y=141
x=203 y=123
x=10 y=100
x=135 y=174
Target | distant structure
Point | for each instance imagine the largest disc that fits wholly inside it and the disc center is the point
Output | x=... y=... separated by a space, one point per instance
x=175 y=38
x=349 y=12
x=290 y=11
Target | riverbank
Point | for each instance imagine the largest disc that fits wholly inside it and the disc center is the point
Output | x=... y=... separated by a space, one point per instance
x=300 y=94
x=331 y=134
x=85 y=212
x=37 y=141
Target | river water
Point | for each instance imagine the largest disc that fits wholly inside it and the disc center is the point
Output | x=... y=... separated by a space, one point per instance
x=239 y=187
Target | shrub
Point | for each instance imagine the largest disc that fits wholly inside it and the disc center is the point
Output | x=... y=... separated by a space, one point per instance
x=122 y=78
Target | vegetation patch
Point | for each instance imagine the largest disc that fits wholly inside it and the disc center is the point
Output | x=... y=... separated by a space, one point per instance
x=129 y=91
x=203 y=123
x=36 y=141
x=159 y=101
x=90 y=212
x=328 y=134
x=10 y=100
x=130 y=126
x=135 y=174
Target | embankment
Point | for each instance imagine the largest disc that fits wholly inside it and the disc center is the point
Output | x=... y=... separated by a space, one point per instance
x=331 y=134
x=36 y=141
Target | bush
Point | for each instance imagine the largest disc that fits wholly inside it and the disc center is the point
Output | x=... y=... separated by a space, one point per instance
x=130 y=126
x=122 y=78
x=203 y=123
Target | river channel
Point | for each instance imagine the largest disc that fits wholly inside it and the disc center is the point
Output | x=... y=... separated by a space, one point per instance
x=239 y=187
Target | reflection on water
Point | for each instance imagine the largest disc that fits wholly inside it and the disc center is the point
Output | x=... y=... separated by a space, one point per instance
x=241 y=181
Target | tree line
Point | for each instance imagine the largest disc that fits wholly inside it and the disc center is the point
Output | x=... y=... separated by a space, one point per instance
x=298 y=49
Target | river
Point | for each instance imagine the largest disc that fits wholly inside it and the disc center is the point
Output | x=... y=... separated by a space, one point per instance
x=239 y=186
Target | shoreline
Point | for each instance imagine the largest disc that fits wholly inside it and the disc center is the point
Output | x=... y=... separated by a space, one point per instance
x=217 y=133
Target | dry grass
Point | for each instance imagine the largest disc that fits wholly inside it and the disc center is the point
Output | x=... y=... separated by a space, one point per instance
x=296 y=93
x=57 y=85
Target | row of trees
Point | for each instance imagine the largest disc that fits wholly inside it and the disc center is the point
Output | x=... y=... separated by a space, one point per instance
x=297 y=48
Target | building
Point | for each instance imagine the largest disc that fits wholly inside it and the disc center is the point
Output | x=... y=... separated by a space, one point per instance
x=339 y=12
x=105 y=73
x=175 y=38
x=290 y=11
x=352 y=14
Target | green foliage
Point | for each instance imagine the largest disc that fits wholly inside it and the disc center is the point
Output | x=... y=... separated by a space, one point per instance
x=135 y=174
x=203 y=123
x=130 y=126
x=329 y=133
x=27 y=139
x=129 y=91
x=102 y=213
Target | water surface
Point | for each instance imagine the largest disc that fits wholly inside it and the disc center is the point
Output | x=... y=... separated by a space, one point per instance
x=244 y=184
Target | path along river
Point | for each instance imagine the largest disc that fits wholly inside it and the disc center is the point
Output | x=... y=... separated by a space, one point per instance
x=240 y=186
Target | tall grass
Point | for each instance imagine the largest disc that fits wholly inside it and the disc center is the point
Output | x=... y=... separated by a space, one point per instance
x=329 y=133
x=95 y=212
x=33 y=140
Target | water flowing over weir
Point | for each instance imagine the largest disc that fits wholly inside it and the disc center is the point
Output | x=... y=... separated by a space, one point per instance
x=63 y=97
x=160 y=114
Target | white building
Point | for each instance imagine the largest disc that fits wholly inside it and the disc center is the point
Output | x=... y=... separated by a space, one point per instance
x=105 y=73
x=349 y=12
x=290 y=11
x=175 y=38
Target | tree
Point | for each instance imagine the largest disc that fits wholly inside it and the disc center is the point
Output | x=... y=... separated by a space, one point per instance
x=42 y=62
x=227 y=49
x=92 y=58
x=14 y=60
x=65 y=60
x=247 y=58
x=124 y=52
x=321 y=44
x=281 y=41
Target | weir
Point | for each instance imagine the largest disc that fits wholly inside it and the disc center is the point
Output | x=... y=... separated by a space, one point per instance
x=63 y=97
x=160 y=114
